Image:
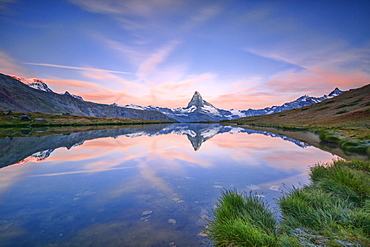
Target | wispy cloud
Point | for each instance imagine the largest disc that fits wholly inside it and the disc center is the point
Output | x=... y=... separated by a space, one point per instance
x=315 y=82
x=150 y=64
x=77 y=172
x=11 y=66
x=90 y=91
x=203 y=15
x=133 y=7
x=81 y=86
x=110 y=79
x=77 y=68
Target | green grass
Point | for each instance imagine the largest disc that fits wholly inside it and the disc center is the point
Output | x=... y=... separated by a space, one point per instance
x=242 y=220
x=341 y=112
x=341 y=106
x=329 y=136
x=12 y=120
x=329 y=102
x=323 y=108
x=334 y=210
x=350 y=104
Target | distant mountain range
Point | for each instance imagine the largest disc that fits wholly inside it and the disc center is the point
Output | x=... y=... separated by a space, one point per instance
x=197 y=110
x=348 y=110
x=36 y=96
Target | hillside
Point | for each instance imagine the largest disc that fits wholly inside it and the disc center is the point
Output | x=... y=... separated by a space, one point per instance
x=16 y=96
x=350 y=108
x=344 y=119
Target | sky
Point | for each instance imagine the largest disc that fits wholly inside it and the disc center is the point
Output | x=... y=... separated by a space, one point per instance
x=238 y=54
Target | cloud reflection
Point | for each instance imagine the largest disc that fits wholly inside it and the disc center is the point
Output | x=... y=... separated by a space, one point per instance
x=109 y=182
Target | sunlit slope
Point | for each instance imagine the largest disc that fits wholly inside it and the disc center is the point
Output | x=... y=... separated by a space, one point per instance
x=351 y=108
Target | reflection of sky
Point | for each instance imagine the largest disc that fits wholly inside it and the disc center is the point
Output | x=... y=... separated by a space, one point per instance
x=98 y=191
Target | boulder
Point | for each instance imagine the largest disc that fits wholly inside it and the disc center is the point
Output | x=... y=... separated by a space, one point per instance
x=41 y=120
x=7 y=112
x=25 y=118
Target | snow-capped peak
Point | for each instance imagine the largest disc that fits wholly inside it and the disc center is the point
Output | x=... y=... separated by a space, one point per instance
x=335 y=92
x=74 y=96
x=196 y=100
x=134 y=107
x=34 y=83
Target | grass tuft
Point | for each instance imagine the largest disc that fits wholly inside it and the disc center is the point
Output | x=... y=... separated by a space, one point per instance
x=327 y=136
x=242 y=220
x=341 y=106
x=341 y=112
x=329 y=102
x=332 y=211
x=323 y=108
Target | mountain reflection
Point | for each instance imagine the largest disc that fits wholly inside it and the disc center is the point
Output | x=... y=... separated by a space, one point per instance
x=18 y=150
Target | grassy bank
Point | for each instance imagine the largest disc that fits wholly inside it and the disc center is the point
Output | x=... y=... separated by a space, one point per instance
x=349 y=139
x=37 y=119
x=334 y=210
x=343 y=120
x=40 y=124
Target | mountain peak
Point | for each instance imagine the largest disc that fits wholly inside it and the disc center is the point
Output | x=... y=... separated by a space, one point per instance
x=196 y=100
x=336 y=92
x=74 y=96
x=34 y=83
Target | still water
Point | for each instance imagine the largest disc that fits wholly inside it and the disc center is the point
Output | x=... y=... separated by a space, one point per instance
x=144 y=186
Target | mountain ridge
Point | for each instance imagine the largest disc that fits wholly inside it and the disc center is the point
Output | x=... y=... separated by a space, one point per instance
x=351 y=106
x=17 y=96
x=197 y=109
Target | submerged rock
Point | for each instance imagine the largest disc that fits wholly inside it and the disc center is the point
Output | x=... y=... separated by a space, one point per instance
x=146 y=215
x=172 y=221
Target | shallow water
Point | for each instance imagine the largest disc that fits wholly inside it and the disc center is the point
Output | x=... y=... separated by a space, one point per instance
x=146 y=186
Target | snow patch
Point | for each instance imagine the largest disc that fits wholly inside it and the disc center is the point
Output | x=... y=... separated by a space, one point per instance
x=211 y=110
x=136 y=134
x=131 y=106
x=237 y=113
x=208 y=133
x=186 y=132
x=184 y=110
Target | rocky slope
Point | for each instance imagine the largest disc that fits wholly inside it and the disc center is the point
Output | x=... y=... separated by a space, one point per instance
x=17 y=96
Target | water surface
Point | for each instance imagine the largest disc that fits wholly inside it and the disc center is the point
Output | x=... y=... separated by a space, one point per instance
x=145 y=186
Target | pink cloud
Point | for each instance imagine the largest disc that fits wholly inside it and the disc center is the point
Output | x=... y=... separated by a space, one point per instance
x=10 y=66
x=245 y=100
x=316 y=81
x=88 y=91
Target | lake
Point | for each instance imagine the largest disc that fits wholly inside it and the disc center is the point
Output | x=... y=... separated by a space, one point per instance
x=143 y=186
